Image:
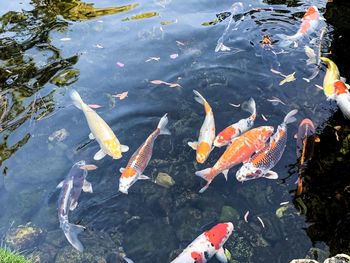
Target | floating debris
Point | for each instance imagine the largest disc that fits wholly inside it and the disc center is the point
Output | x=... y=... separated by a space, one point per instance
x=65 y=39
x=141 y=16
x=174 y=56
x=262 y=222
x=275 y=101
x=119 y=64
x=263 y=116
x=284 y=203
x=180 y=43
x=153 y=58
x=122 y=95
x=171 y=85
x=94 y=106
x=88 y=167
x=59 y=135
x=235 y=105
x=288 y=78
x=246 y=216
x=165 y=23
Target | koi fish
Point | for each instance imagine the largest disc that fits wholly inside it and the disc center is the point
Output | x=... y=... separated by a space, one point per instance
x=306 y=138
x=229 y=133
x=72 y=186
x=332 y=74
x=140 y=159
x=342 y=97
x=237 y=8
x=261 y=163
x=208 y=244
x=207 y=132
x=237 y=152
x=309 y=24
x=100 y=131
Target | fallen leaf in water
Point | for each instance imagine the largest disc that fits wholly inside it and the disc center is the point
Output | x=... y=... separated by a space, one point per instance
x=153 y=58
x=173 y=85
x=275 y=101
x=320 y=87
x=263 y=116
x=288 y=78
x=119 y=64
x=174 y=56
x=246 y=216
x=165 y=23
x=122 y=95
x=262 y=223
x=235 y=105
x=88 y=167
x=141 y=16
x=180 y=43
x=228 y=255
x=94 y=106
x=284 y=203
x=157 y=81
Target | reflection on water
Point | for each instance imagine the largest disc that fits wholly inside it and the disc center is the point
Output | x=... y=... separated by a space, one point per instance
x=63 y=44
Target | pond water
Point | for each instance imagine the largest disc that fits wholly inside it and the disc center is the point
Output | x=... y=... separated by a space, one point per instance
x=50 y=47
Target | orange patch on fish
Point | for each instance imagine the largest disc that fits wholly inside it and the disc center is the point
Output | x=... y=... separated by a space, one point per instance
x=128 y=172
x=305 y=27
x=226 y=134
x=216 y=235
x=340 y=87
x=311 y=13
x=203 y=150
x=197 y=257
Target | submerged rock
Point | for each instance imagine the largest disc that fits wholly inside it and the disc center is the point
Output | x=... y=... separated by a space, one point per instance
x=25 y=237
x=165 y=180
x=229 y=214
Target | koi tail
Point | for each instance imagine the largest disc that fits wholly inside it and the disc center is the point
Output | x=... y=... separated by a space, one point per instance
x=71 y=232
x=200 y=99
x=161 y=125
x=249 y=106
x=286 y=41
x=77 y=101
x=205 y=174
x=290 y=117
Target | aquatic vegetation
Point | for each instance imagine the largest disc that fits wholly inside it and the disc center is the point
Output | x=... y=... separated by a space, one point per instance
x=7 y=256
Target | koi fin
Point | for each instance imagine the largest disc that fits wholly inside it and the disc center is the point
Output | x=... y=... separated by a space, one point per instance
x=200 y=99
x=71 y=232
x=87 y=187
x=271 y=175
x=290 y=117
x=77 y=101
x=161 y=125
x=204 y=173
x=225 y=172
x=60 y=184
x=286 y=41
x=91 y=136
x=249 y=106
x=124 y=148
x=193 y=145
x=121 y=169
x=143 y=177
x=73 y=206
x=296 y=136
x=220 y=255
x=128 y=260
x=343 y=79
x=99 y=155
x=204 y=188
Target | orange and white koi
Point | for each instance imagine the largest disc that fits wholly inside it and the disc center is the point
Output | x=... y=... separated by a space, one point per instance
x=208 y=244
x=100 y=131
x=309 y=24
x=229 y=133
x=207 y=132
x=261 y=163
x=140 y=159
x=237 y=152
x=342 y=97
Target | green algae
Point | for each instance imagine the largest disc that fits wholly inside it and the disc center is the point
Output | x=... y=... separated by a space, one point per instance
x=7 y=256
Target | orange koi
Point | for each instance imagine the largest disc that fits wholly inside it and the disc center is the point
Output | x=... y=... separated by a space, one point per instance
x=342 y=97
x=237 y=152
x=140 y=159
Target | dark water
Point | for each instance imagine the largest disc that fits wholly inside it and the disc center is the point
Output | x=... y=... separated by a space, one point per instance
x=50 y=47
